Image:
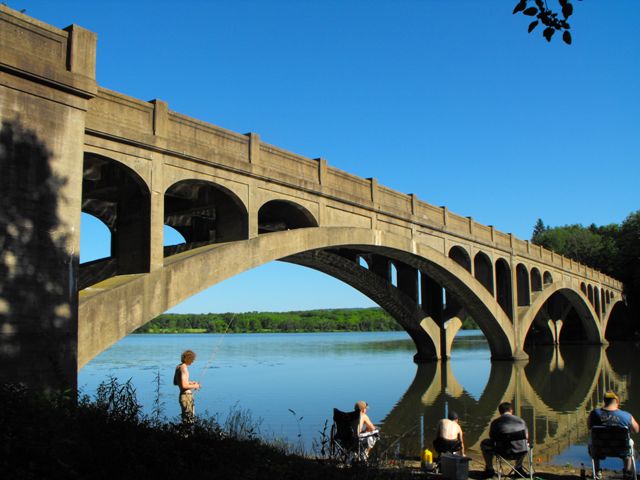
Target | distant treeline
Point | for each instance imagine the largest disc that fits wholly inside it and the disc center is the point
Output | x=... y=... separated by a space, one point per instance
x=334 y=320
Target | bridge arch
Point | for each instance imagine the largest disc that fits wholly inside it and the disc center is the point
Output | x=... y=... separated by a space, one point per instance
x=618 y=322
x=503 y=286
x=205 y=212
x=130 y=302
x=547 y=278
x=536 y=280
x=279 y=215
x=461 y=257
x=483 y=270
x=586 y=313
x=118 y=196
x=522 y=285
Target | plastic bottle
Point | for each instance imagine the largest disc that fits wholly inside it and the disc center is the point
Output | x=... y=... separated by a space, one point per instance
x=426 y=459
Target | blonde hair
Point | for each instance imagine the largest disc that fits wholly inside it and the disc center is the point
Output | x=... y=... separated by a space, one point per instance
x=360 y=405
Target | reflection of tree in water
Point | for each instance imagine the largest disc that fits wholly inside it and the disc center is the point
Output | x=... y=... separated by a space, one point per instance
x=36 y=319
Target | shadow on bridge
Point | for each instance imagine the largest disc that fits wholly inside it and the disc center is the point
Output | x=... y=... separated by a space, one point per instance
x=38 y=298
x=553 y=393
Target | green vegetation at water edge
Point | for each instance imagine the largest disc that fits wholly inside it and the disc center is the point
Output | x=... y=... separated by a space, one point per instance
x=331 y=320
x=109 y=438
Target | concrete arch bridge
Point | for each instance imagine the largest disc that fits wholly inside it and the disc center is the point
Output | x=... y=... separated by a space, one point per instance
x=238 y=202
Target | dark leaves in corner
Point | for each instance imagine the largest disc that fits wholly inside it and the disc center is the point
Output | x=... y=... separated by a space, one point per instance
x=548 y=33
x=548 y=17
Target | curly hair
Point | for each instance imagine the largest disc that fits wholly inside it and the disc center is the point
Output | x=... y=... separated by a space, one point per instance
x=188 y=356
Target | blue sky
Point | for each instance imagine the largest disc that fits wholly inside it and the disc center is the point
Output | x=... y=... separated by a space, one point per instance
x=450 y=100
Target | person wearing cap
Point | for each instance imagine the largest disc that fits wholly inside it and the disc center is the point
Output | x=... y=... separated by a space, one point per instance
x=449 y=438
x=367 y=431
x=609 y=415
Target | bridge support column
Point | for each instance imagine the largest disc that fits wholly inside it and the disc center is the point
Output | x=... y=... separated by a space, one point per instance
x=408 y=281
x=131 y=239
x=381 y=267
x=156 y=247
x=43 y=102
x=433 y=306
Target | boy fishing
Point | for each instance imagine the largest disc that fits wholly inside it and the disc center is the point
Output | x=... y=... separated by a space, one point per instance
x=186 y=386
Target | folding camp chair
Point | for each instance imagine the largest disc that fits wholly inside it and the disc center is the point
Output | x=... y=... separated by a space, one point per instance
x=505 y=454
x=344 y=442
x=611 y=441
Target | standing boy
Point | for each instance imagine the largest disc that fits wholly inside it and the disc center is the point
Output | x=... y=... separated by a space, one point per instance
x=186 y=386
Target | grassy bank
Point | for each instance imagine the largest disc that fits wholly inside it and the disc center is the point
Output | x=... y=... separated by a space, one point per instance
x=330 y=320
x=108 y=438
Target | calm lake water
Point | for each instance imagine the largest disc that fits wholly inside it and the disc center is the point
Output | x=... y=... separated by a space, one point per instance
x=272 y=375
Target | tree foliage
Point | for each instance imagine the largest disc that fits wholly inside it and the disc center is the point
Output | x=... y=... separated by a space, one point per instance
x=549 y=18
x=613 y=249
x=330 y=320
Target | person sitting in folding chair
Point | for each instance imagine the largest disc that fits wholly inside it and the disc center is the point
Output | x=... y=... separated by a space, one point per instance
x=508 y=439
x=353 y=435
x=449 y=437
x=610 y=415
x=367 y=431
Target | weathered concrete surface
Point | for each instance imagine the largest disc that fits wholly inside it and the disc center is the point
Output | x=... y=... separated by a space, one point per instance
x=47 y=77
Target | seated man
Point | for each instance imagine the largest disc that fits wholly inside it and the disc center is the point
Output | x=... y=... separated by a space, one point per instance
x=367 y=431
x=449 y=435
x=506 y=423
x=611 y=415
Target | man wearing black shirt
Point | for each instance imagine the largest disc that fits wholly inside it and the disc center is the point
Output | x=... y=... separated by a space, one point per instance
x=506 y=423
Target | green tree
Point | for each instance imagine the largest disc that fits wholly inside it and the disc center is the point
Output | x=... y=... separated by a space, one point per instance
x=538 y=230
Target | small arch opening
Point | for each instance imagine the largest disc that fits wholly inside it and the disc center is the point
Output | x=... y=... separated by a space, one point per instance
x=461 y=257
x=117 y=196
x=483 y=270
x=503 y=286
x=522 y=280
x=280 y=215
x=547 y=278
x=536 y=280
x=203 y=213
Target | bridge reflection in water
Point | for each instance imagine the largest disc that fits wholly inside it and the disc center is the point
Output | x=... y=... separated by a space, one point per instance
x=553 y=393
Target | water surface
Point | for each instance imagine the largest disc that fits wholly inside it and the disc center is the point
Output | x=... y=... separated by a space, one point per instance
x=272 y=375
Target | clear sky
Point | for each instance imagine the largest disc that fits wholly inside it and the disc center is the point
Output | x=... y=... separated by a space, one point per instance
x=450 y=100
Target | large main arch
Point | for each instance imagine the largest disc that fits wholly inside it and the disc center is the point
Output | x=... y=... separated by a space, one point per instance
x=578 y=301
x=116 y=307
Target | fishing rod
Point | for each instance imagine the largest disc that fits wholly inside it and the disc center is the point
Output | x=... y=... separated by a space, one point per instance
x=215 y=350
x=398 y=439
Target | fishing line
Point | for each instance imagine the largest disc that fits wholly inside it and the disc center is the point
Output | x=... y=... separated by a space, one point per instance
x=215 y=350
x=398 y=439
